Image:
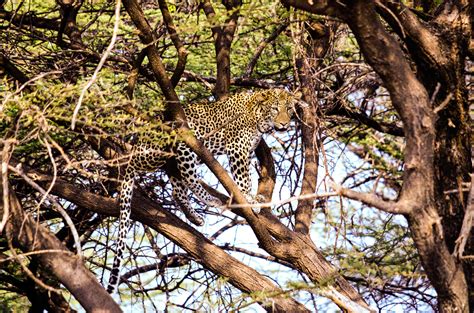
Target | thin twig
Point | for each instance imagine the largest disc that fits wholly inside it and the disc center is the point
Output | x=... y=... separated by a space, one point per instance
x=6 y=201
x=34 y=253
x=466 y=225
x=280 y=202
x=101 y=63
x=19 y=171
x=443 y=104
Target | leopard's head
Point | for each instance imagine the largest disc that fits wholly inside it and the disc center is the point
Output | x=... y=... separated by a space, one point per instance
x=277 y=107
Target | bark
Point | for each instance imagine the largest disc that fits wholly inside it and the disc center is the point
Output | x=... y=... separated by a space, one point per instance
x=174 y=112
x=283 y=243
x=430 y=144
x=411 y=101
x=223 y=37
x=178 y=44
x=199 y=247
x=313 y=51
x=310 y=132
x=69 y=10
x=287 y=244
x=40 y=299
x=67 y=267
x=253 y=61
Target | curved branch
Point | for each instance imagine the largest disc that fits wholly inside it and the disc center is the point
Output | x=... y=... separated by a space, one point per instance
x=410 y=99
x=174 y=111
x=362 y=117
x=199 y=247
x=423 y=42
x=394 y=207
x=67 y=267
x=282 y=243
x=276 y=32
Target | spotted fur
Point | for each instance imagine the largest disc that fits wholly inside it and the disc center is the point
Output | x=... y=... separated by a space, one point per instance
x=233 y=126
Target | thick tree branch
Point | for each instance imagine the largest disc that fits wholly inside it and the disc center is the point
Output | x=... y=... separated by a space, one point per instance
x=30 y=19
x=421 y=40
x=309 y=261
x=310 y=130
x=276 y=32
x=200 y=248
x=66 y=266
x=291 y=246
x=410 y=99
x=12 y=70
x=69 y=10
x=174 y=112
x=312 y=51
x=273 y=236
x=223 y=37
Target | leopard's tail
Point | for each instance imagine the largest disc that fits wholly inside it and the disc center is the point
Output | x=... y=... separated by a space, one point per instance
x=125 y=200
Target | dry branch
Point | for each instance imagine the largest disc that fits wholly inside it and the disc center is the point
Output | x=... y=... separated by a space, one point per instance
x=200 y=248
x=66 y=266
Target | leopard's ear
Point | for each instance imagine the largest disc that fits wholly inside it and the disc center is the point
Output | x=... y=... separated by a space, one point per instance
x=260 y=97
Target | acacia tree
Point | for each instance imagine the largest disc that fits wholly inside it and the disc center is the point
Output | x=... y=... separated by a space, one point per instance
x=411 y=96
x=424 y=74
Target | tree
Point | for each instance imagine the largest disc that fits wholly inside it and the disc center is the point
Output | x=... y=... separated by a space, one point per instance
x=428 y=92
x=380 y=160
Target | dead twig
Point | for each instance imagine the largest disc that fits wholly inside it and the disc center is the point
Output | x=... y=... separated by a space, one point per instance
x=101 y=63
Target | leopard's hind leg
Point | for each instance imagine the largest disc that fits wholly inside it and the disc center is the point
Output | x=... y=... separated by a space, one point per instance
x=180 y=195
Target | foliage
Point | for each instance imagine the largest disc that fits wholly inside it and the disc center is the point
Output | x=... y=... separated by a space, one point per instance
x=360 y=140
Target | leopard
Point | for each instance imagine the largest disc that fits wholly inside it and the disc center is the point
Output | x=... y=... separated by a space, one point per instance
x=233 y=126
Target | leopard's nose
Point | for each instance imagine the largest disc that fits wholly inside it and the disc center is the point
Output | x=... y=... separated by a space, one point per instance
x=281 y=127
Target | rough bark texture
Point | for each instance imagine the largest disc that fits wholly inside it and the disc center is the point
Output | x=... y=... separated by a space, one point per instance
x=199 y=247
x=423 y=71
x=315 y=47
x=174 y=111
x=288 y=244
x=178 y=44
x=67 y=267
x=223 y=36
x=291 y=246
x=432 y=103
